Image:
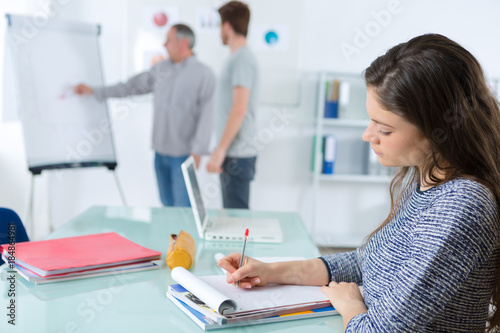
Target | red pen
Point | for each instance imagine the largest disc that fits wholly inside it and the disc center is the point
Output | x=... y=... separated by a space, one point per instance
x=243 y=254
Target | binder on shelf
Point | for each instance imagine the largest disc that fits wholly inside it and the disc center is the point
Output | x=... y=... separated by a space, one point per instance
x=344 y=93
x=332 y=99
x=329 y=153
x=314 y=157
x=317 y=155
x=337 y=98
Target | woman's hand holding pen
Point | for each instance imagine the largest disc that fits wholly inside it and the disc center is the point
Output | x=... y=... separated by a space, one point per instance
x=252 y=273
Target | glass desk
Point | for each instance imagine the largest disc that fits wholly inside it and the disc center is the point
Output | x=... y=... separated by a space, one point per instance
x=137 y=302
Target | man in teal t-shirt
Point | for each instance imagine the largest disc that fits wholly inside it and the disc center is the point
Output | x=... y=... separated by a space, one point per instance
x=236 y=103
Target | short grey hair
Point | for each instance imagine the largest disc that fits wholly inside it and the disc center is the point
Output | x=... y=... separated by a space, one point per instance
x=183 y=31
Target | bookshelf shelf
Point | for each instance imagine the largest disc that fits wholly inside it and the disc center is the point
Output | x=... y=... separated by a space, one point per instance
x=356 y=178
x=362 y=123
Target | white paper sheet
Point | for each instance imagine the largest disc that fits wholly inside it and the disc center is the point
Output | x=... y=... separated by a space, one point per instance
x=226 y=298
x=267 y=297
x=213 y=298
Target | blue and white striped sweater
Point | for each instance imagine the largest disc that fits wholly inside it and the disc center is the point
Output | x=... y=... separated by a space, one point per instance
x=432 y=267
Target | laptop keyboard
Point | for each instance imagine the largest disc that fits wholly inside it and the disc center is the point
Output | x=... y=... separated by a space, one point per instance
x=232 y=224
x=228 y=228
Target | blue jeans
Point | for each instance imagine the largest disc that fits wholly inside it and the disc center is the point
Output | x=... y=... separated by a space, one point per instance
x=237 y=173
x=171 y=184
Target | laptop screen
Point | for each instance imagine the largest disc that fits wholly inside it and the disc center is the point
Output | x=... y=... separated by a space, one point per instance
x=196 y=192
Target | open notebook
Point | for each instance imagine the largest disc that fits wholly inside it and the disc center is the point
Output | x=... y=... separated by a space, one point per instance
x=229 y=304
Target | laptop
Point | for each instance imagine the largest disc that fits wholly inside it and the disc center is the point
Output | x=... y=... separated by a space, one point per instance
x=226 y=228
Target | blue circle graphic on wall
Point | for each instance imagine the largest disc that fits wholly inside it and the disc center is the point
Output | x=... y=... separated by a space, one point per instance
x=271 y=37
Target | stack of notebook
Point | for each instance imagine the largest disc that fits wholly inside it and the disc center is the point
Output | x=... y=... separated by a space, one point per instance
x=213 y=304
x=78 y=257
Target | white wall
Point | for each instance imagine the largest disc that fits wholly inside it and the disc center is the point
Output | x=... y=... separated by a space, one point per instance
x=283 y=175
x=474 y=25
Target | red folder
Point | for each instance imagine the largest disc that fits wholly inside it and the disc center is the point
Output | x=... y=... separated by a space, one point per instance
x=64 y=255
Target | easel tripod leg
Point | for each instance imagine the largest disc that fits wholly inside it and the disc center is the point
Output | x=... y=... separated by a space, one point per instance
x=120 y=189
x=29 y=217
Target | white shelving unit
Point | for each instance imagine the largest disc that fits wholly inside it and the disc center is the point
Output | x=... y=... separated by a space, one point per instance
x=351 y=178
x=355 y=178
x=339 y=122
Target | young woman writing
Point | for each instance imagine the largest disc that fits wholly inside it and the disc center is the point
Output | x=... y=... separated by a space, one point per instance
x=432 y=266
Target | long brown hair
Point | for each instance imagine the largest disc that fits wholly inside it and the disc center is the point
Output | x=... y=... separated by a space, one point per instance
x=437 y=85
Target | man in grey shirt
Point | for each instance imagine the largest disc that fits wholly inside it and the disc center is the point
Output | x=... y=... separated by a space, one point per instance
x=236 y=154
x=183 y=91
